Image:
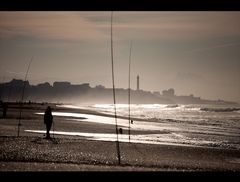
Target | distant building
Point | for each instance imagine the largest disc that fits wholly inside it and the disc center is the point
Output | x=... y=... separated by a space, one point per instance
x=17 y=83
x=61 y=84
x=100 y=87
x=44 y=85
x=168 y=93
x=138 y=83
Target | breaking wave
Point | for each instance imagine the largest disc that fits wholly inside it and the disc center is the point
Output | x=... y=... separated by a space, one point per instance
x=220 y=109
x=172 y=106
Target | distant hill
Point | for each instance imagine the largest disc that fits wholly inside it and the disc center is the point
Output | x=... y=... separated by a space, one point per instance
x=66 y=92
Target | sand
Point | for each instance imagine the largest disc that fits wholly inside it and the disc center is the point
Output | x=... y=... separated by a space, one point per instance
x=32 y=152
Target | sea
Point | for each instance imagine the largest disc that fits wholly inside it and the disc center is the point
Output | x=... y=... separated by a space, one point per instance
x=195 y=125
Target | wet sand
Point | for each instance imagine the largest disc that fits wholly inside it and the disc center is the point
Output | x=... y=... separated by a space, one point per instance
x=31 y=152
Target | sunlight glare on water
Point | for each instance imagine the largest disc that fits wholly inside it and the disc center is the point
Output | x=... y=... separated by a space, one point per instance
x=167 y=139
x=178 y=124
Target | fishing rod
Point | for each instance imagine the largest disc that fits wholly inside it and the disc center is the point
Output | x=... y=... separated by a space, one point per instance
x=24 y=85
x=129 y=91
x=114 y=96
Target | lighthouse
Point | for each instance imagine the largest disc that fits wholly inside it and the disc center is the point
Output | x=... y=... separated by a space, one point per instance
x=138 y=82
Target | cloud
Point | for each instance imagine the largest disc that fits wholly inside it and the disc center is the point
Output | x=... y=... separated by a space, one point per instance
x=88 y=26
x=169 y=25
x=50 y=25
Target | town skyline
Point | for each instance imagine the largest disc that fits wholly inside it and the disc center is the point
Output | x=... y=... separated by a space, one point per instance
x=67 y=92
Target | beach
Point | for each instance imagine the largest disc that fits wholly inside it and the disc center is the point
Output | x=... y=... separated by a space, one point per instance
x=32 y=152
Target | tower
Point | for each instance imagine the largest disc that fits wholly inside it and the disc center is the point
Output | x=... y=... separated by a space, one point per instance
x=138 y=82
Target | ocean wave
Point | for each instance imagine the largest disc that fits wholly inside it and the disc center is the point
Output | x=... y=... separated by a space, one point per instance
x=220 y=109
x=192 y=107
x=172 y=106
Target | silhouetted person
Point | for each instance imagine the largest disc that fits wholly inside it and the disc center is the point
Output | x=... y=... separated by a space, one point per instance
x=4 y=105
x=120 y=130
x=131 y=121
x=48 y=120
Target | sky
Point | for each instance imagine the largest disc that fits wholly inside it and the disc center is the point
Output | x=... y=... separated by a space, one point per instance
x=193 y=52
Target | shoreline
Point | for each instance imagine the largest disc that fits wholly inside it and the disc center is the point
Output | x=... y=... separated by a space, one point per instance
x=80 y=153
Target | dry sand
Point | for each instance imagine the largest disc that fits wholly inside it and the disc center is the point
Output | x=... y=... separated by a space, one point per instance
x=31 y=152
